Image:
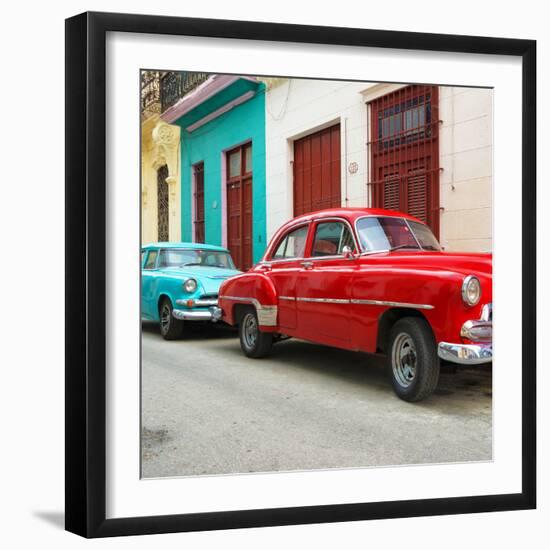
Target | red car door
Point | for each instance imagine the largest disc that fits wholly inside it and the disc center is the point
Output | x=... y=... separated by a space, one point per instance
x=323 y=288
x=283 y=268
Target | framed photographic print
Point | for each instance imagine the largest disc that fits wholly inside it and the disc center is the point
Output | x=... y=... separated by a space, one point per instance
x=300 y=274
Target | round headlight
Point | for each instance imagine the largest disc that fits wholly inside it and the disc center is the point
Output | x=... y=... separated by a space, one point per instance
x=190 y=285
x=471 y=290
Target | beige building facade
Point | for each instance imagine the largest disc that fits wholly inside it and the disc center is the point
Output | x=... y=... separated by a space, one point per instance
x=160 y=181
x=466 y=161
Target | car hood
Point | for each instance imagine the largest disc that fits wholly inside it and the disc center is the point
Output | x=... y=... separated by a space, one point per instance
x=210 y=278
x=461 y=262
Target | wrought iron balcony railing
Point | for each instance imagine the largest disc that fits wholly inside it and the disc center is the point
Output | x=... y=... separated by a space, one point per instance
x=174 y=85
x=160 y=90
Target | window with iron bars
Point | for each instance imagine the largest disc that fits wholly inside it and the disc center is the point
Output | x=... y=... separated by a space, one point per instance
x=404 y=153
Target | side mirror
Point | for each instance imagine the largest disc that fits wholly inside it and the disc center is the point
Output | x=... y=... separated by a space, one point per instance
x=348 y=252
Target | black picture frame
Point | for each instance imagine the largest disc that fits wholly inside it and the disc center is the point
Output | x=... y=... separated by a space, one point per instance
x=86 y=284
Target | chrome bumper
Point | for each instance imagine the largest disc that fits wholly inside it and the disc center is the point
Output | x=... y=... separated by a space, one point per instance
x=465 y=354
x=213 y=313
x=199 y=302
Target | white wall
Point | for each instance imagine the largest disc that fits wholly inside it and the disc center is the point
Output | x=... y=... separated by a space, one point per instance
x=466 y=157
x=295 y=108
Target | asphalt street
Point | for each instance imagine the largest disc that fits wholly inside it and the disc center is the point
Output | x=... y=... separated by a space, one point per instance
x=207 y=409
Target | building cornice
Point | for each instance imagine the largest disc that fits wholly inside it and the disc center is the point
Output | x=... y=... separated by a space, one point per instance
x=209 y=88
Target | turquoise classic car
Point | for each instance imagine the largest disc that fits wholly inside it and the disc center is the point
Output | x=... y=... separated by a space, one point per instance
x=180 y=282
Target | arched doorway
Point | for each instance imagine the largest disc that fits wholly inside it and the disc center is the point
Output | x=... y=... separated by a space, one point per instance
x=162 y=204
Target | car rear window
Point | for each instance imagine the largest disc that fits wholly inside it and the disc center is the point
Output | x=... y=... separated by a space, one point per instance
x=292 y=244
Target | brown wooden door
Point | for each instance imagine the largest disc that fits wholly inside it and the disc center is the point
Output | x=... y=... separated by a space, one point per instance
x=317 y=171
x=198 y=197
x=239 y=205
x=404 y=149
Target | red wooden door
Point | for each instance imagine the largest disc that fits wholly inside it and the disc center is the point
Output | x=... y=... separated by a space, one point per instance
x=198 y=222
x=317 y=171
x=239 y=205
x=404 y=149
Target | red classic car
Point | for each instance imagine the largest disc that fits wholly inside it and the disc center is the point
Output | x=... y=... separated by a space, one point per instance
x=368 y=280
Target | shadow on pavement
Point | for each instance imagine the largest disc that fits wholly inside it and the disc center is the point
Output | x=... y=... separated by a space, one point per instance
x=195 y=330
x=368 y=369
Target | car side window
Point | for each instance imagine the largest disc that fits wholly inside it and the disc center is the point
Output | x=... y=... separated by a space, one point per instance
x=292 y=245
x=330 y=239
x=151 y=260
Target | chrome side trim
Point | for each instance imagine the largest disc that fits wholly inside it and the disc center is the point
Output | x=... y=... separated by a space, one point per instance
x=267 y=315
x=280 y=260
x=354 y=301
x=245 y=299
x=324 y=300
x=391 y=304
x=323 y=258
x=371 y=252
x=465 y=354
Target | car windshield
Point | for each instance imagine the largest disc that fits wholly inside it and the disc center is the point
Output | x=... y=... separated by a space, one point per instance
x=424 y=236
x=389 y=233
x=181 y=257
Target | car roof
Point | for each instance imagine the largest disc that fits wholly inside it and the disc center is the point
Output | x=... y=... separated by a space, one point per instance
x=350 y=214
x=188 y=246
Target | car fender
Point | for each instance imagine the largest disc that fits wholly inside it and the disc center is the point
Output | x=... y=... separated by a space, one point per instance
x=251 y=288
x=431 y=293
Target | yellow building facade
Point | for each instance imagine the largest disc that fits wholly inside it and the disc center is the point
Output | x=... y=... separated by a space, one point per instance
x=160 y=181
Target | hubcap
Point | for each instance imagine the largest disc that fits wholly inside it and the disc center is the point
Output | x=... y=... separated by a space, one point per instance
x=403 y=360
x=250 y=330
x=165 y=318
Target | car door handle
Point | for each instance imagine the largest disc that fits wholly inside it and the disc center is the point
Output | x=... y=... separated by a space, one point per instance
x=265 y=267
x=307 y=265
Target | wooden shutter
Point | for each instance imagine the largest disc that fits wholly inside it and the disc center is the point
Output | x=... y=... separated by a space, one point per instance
x=317 y=171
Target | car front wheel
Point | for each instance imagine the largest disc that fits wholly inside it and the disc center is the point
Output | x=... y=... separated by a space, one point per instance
x=170 y=327
x=413 y=363
x=254 y=342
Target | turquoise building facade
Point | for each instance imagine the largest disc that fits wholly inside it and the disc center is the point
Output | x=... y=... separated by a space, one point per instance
x=214 y=124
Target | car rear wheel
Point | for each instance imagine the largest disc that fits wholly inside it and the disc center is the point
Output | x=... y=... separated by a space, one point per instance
x=170 y=327
x=254 y=342
x=413 y=363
